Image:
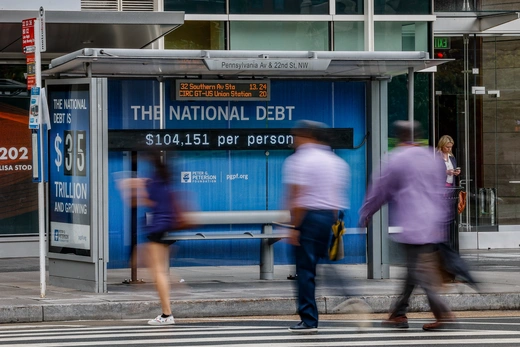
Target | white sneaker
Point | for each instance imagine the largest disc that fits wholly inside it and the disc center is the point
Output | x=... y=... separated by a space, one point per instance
x=159 y=320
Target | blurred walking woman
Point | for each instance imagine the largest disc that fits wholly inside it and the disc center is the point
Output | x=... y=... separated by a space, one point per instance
x=444 y=147
x=155 y=193
x=159 y=200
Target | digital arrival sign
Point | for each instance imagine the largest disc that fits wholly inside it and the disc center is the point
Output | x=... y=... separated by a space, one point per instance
x=224 y=90
x=217 y=139
x=69 y=169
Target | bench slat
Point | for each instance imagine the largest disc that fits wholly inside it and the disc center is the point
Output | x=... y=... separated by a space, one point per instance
x=224 y=236
x=239 y=217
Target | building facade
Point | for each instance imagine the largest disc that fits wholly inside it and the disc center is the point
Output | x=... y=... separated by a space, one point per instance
x=484 y=126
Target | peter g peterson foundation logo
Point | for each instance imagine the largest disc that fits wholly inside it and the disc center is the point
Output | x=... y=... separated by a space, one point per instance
x=197 y=177
x=186 y=176
x=60 y=235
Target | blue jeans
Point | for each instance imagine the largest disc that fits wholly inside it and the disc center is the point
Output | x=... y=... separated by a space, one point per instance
x=315 y=235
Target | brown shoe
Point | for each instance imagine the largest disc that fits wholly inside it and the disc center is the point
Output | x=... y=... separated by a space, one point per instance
x=400 y=322
x=439 y=324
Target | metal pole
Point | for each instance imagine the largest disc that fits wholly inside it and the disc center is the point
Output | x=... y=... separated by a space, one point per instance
x=133 y=228
x=410 y=100
x=466 y=131
x=41 y=184
x=378 y=265
x=133 y=225
x=369 y=25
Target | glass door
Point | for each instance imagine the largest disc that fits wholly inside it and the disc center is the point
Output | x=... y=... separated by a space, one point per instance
x=476 y=103
x=458 y=113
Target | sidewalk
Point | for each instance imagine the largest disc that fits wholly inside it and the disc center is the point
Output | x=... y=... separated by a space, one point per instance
x=237 y=291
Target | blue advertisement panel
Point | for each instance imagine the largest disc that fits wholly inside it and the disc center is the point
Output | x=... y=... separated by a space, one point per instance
x=240 y=179
x=134 y=104
x=69 y=169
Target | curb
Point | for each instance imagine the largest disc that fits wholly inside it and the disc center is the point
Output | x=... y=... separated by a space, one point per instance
x=239 y=307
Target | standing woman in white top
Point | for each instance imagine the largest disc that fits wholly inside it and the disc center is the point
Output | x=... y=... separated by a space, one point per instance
x=444 y=147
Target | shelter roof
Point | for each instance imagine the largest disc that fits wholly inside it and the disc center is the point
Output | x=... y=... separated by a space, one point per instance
x=146 y=63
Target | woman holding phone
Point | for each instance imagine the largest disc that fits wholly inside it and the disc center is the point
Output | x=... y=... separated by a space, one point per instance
x=455 y=268
x=444 y=147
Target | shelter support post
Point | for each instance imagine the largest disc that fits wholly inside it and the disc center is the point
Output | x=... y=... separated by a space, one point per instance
x=377 y=232
x=133 y=227
x=266 y=255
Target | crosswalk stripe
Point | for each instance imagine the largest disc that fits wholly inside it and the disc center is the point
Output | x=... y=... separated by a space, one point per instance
x=344 y=343
x=134 y=329
x=115 y=333
x=338 y=333
x=280 y=334
x=25 y=327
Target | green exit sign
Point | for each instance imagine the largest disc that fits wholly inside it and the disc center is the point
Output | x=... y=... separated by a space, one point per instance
x=441 y=43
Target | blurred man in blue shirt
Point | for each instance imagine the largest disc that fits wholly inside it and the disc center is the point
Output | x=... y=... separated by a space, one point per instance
x=412 y=183
x=316 y=180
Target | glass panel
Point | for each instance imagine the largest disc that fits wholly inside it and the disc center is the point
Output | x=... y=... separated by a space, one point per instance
x=450 y=109
x=349 y=6
x=287 y=36
x=402 y=6
x=196 y=6
x=279 y=7
x=454 y=5
x=197 y=35
x=401 y=36
x=234 y=180
x=349 y=36
x=500 y=128
x=398 y=103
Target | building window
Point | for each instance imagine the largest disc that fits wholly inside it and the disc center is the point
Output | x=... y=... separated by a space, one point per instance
x=286 y=36
x=349 y=6
x=401 y=36
x=402 y=7
x=349 y=36
x=279 y=7
x=196 y=6
x=117 y=5
x=398 y=99
x=197 y=35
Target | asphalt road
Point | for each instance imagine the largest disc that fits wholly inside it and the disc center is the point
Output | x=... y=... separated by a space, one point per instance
x=474 y=328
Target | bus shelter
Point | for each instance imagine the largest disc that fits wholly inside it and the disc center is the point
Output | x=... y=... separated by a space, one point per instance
x=202 y=100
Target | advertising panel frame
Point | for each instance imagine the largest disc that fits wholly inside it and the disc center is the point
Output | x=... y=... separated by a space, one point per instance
x=68 y=267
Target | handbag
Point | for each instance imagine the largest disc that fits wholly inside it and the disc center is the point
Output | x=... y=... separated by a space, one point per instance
x=336 y=250
x=462 y=201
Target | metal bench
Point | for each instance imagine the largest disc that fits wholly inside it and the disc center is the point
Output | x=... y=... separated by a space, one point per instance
x=267 y=237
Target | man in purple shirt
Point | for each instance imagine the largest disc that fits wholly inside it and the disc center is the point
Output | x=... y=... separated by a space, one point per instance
x=412 y=183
